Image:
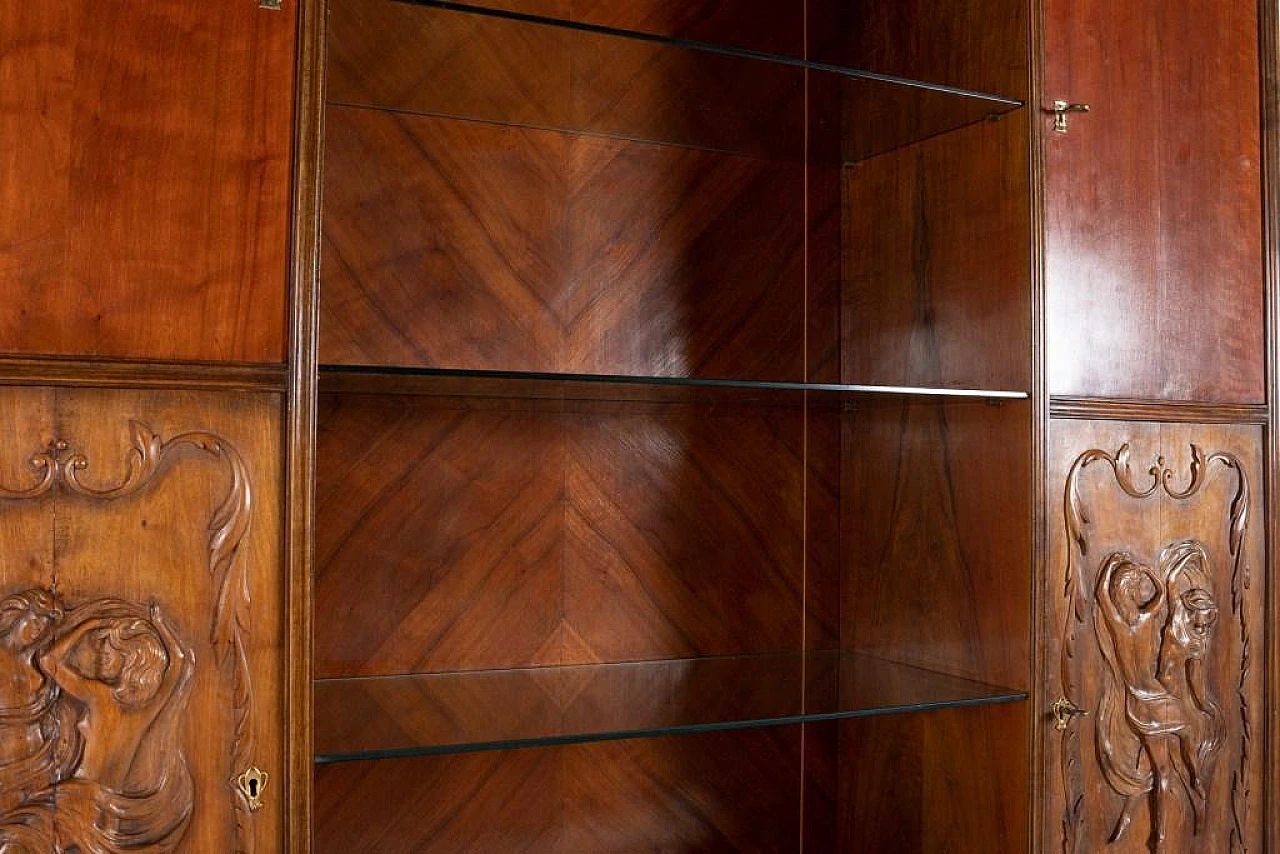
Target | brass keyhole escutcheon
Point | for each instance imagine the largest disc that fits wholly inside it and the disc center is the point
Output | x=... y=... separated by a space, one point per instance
x=1063 y=711
x=251 y=784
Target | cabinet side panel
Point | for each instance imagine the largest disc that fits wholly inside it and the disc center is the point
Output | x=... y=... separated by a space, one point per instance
x=935 y=537
x=169 y=560
x=152 y=144
x=937 y=253
x=1153 y=202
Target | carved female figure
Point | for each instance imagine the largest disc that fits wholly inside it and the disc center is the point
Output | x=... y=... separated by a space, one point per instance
x=1157 y=725
x=129 y=671
x=38 y=739
x=1183 y=648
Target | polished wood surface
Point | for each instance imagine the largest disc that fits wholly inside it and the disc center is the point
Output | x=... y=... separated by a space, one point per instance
x=587 y=532
x=557 y=253
x=936 y=249
x=935 y=538
x=1155 y=595
x=953 y=42
x=429 y=61
x=1153 y=202
x=160 y=511
x=935 y=782
x=145 y=156
x=733 y=791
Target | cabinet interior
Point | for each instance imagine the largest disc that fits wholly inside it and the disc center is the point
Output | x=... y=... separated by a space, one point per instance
x=674 y=435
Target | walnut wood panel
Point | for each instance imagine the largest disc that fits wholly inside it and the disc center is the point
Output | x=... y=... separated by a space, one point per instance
x=463 y=245
x=1152 y=202
x=441 y=62
x=144 y=186
x=486 y=533
x=163 y=603
x=934 y=511
x=944 y=781
x=957 y=43
x=734 y=791
x=1155 y=595
x=936 y=263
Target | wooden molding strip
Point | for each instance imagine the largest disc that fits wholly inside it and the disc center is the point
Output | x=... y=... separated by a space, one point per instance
x=104 y=373
x=301 y=424
x=1170 y=411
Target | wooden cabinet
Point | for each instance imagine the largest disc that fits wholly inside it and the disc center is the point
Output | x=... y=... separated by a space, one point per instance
x=707 y=425
x=673 y=463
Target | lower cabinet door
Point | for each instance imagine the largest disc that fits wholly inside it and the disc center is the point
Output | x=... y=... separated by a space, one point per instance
x=141 y=645
x=1153 y=692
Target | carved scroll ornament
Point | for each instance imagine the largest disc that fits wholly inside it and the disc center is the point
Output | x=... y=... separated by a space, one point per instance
x=93 y=697
x=1159 y=728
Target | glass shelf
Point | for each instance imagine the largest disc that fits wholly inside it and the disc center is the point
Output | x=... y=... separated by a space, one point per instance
x=421 y=715
x=463 y=61
x=500 y=384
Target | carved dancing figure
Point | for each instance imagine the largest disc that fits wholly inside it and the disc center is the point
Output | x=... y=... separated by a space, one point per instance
x=39 y=742
x=1157 y=725
x=128 y=669
x=1183 y=647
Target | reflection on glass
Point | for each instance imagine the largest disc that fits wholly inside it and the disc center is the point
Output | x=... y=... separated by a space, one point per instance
x=363 y=718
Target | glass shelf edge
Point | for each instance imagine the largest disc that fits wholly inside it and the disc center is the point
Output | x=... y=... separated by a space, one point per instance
x=662 y=732
x=426 y=374
x=723 y=50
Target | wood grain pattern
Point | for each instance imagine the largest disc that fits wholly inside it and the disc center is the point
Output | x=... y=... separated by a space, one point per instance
x=154 y=544
x=1153 y=202
x=438 y=62
x=934 y=509
x=547 y=252
x=592 y=532
x=1157 y=520
x=983 y=47
x=719 y=792
x=944 y=781
x=144 y=180
x=936 y=260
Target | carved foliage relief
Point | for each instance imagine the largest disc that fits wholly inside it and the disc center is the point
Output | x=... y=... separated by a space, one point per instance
x=1153 y=619
x=94 y=693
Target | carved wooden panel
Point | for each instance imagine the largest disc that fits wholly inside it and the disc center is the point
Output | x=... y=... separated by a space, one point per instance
x=1156 y=593
x=145 y=156
x=141 y=660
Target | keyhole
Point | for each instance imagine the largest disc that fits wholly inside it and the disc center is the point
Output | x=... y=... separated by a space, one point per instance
x=253 y=788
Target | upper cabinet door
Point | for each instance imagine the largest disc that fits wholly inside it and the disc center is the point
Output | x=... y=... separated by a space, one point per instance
x=1153 y=200
x=145 y=156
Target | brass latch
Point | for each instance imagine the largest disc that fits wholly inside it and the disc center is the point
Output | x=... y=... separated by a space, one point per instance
x=1063 y=711
x=269 y=4
x=251 y=784
x=1060 y=111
